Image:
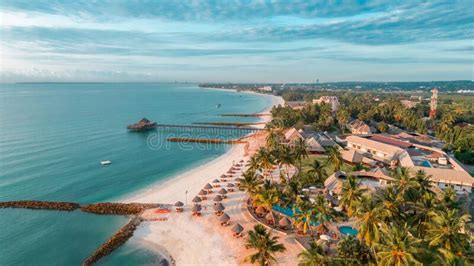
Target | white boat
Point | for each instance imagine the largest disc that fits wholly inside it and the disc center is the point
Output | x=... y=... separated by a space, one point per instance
x=105 y=162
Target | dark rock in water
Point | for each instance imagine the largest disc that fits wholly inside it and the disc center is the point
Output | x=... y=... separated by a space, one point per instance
x=142 y=125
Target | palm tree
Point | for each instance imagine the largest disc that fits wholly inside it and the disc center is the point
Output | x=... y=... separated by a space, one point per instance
x=423 y=183
x=368 y=221
x=447 y=231
x=303 y=214
x=324 y=212
x=388 y=205
x=397 y=248
x=273 y=139
x=351 y=195
x=314 y=256
x=265 y=244
x=317 y=170
x=449 y=198
x=265 y=159
x=300 y=150
x=286 y=158
x=266 y=198
x=253 y=164
x=334 y=158
x=250 y=183
x=342 y=118
x=406 y=185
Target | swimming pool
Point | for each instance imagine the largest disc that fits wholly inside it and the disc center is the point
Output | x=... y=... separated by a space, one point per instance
x=426 y=164
x=288 y=211
x=347 y=230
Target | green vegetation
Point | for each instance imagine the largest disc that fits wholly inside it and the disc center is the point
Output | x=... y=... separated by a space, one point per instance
x=265 y=244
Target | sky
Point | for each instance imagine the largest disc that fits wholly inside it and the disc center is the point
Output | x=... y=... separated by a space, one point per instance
x=236 y=40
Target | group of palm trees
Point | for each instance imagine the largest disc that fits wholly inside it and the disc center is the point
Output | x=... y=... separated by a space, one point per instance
x=407 y=223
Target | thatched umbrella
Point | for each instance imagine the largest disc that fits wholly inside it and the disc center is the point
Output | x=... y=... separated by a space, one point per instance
x=224 y=219
x=230 y=172
x=197 y=210
x=179 y=206
x=237 y=230
x=223 y=192
x=223 y=176
x=208 y=187
x=197 y=199
x=284 y=222
x=321 y=229
x=230 y=187
x=219 y=208
x=270 y=218
x=216 y=183
x=241 y=161
x=202 y=194
x=217 y=198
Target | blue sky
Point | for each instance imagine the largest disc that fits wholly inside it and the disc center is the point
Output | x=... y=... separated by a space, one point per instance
x=236 y=40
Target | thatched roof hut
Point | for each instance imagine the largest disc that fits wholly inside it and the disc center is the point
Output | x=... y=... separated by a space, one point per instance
x=224 y=218
x=197 y=208
x=217 y=198
x=216 y=181
x=260 y=210
x=230 y=185
x=237 y=229
x=197 y=199
x=208 y=186
x=223 y=191
x=219 y=207
x=202 y=192
x=321 y=229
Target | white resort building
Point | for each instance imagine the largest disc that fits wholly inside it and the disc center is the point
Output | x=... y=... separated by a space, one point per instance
x=389 y=151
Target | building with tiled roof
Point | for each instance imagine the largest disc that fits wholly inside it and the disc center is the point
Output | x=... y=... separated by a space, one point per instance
x=358 y=127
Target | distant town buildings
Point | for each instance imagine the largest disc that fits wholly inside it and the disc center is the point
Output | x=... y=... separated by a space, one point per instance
x=333 y=101
x=265 y=88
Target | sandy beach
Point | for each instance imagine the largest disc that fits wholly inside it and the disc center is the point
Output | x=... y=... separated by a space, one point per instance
x=198 y=240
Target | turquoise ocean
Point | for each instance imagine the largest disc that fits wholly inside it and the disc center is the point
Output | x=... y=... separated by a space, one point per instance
x=52 y=139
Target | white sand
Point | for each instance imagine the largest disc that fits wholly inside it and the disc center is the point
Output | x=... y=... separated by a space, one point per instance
x=194 y=240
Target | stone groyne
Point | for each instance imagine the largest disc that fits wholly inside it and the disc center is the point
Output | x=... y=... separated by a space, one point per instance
x=236 y=124
x=118 y=208
x=211 y=141
x=118 y=239
x=245 y=115
x=40 y=205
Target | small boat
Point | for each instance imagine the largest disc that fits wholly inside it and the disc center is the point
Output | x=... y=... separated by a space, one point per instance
x=218 y=105
x=107 y=162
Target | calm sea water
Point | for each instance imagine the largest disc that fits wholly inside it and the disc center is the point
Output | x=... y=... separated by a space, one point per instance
x=52 y=138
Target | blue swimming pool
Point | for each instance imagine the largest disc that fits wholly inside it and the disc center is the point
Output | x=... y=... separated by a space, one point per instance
x=426 y=164
x=347 y=230
x=288 y=211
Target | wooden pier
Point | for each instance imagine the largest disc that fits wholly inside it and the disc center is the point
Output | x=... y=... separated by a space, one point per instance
x=206 y=128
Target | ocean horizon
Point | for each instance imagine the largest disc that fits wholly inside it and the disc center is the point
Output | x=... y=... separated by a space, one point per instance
x=53 y=137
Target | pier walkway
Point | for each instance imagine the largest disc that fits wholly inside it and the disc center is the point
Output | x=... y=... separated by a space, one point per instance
x=208 y=129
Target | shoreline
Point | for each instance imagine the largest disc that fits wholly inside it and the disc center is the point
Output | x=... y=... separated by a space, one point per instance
x=179 y=235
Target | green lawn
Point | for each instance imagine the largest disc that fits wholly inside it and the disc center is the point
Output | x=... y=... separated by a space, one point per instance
x=306 y=164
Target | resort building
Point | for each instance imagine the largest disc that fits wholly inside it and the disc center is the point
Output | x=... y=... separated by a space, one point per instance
x=370 y=180
x=296 y=105
x=408 y=104
x=265 y=88
x=390 y=151
x=333 y=101
x=314 y=146
x=358 y=127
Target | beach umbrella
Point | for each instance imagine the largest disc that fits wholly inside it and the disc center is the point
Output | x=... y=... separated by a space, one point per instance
x=230 y=185
x=197 y=199
x=284 y=222
x=217 y=198
x=223 y=191
x=223 y=176
x=237 y=229
x=270 y=217
x=208 y=186
x=215 y=181
x=224 y=218
x=202 y=192
x=179 y=204
x=197 y=208
x=219 y=207
x=325 y=237
x=241 y=161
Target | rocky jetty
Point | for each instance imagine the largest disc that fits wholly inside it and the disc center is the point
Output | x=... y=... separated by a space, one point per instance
x=118 y=208
x=142 y=125
x=40 y=205
x=118 y=239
